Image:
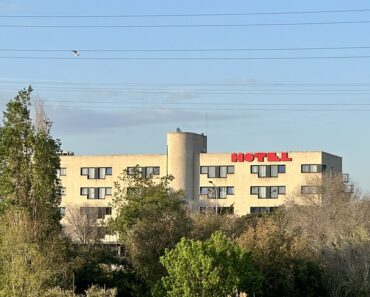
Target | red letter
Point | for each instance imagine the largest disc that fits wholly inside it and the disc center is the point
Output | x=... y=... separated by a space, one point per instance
x=234 y=157
x=284 y=157
x=272 y=157
x=248 y=157
x=260 y=156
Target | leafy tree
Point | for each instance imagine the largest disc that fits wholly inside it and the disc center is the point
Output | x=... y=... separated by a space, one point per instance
x=27 y=268
x=96 y=265
x=215 y=267
x=150 y=218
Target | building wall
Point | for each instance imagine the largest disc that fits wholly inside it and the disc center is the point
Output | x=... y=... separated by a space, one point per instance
x=186 y=153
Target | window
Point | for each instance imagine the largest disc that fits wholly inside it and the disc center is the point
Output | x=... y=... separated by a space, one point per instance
x=212 y=171
x=267 y=170
x=273 y=170
x=96 y=212
x=230 y=190
x=147 y=172
x=84 y=171
x=223 y=171
x=221 y=192
x=230 y=169
x=281 y=168
x=203 y=169
x=220 y=210
x=262 y=209
x=217 y=171
x=262 y=172
x=311 y=168
x=310 y=189
x=61 y=172
x=96 y=172
x=96 y=193
x=268 y=192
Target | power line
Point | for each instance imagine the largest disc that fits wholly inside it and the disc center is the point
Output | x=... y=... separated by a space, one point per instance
x=249 y=84
x=191 y=25
x=190 y=14
x=186 y=58
x=191 y=50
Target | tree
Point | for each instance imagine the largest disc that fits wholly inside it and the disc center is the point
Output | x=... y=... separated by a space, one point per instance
x=28 y=164
x=83 y=224
x=338 y=231
x=283 y=257
x=150 y=217
x=16 y=150
x=31 y=250
x=27 y=268
x=215 y=267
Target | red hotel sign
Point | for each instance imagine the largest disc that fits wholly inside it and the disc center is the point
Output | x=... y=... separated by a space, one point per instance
x=260 y=157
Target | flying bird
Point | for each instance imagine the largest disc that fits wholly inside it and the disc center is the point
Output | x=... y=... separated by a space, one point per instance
x=75 y=53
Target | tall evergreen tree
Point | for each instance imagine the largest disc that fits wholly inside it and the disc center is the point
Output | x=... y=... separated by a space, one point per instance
x=28 y=163
x=16 y=149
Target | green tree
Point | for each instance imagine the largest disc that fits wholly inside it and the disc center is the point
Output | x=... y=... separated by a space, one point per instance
x=215 y=267
x=28 y=163
x=27 y=268
x=150 y=218
x=31 y=249
x=16 y=150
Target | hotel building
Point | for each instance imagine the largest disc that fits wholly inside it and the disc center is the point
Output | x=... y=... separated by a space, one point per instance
x=238 y=183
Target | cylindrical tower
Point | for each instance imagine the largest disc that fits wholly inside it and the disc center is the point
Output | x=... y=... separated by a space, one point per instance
x=183 y=161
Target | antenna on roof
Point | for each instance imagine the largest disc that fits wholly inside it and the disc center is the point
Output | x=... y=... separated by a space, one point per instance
x=178 y=130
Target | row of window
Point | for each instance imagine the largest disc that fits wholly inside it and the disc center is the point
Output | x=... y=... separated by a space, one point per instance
x=96 y=193
x=263 y=192
x=91 y=212
x=211 y=171
x=96 y=212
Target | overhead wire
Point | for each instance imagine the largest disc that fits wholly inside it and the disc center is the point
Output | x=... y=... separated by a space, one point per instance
x=193 y=14
x=192 y=25
x=190 y=50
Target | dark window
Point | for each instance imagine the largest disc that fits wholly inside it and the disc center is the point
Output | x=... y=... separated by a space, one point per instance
x=220 y=210
x=221 y=192
x=203 y=169
x=230 y=169
x=262 y=209
x=96 y=172
x=217 y=171
x=267 y=170
x=61 y=172
x=146 y=172
x=267 y=192
x=281 y=168
x=311 y=168
x=310 y=189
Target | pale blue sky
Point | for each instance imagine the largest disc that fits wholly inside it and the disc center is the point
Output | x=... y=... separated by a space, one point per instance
x=91 y=118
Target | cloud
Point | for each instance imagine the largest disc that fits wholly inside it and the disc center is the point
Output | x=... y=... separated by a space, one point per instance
x=78 y=120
